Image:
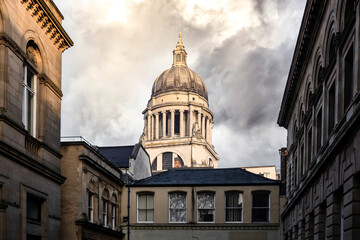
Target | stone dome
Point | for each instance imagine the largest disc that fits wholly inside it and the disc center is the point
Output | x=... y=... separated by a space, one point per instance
x=179 y=78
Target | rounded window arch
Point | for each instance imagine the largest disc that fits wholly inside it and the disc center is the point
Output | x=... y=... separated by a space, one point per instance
x=168 y=160
x=106 y=194
x=308 y=95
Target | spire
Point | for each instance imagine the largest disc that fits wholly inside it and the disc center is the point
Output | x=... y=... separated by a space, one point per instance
x=179 y=53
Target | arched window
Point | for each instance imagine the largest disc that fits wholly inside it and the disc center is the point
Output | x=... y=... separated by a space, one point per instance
x=233 y=206
x=178 y=57
x=105 y=202
x=113 y=211
x=260 y=206
x=349 y=10
x=30 y=87
x=171 y=160
x=145 y=207
x=205 y=206
x=332 y=49
x=177 y=207
x=154 y=165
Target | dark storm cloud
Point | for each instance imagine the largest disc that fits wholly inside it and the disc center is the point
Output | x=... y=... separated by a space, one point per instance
x=242 y=50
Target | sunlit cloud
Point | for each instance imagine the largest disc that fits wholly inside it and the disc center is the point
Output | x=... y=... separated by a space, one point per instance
x=242 y=50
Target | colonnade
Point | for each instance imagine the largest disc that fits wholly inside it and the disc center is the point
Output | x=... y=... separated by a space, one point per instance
x=178 y=123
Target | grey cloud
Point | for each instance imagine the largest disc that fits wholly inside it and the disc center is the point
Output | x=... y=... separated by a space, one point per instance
x=108 y=74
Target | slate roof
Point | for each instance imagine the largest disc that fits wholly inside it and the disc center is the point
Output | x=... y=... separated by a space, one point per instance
x=205 y=177
x=118 y=155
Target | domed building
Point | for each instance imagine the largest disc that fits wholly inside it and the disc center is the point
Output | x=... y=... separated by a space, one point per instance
x=177 y=121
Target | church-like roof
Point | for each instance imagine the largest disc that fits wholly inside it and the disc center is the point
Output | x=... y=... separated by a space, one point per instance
x=205 y=177
x=179 y=77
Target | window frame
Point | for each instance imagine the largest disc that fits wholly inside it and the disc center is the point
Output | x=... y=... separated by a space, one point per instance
x=234 y=208
x=197 y=206
x=177 y=192
x=137 y=206
x=91 y=207
x=105 y=212
x=268 y=208
x=113 y=216
x=29 y=95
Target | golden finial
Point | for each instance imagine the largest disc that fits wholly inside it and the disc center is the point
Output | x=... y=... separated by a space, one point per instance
x=179 y=53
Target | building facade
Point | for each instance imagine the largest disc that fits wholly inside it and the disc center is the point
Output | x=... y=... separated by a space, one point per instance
x=91 y=194
x=31 y=44
x=205 y=203
x=177 y=121
x=321 y=112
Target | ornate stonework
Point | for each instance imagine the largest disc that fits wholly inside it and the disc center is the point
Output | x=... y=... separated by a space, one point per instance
x=43 y=16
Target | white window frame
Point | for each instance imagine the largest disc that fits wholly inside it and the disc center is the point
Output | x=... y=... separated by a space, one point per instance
x=113 y=216
x=178 y=208
x=137 y=207
x=91 y=206
x=234 y=208
x=197 y=212
x=252 y=206
x=105 y=212
x=25 y=102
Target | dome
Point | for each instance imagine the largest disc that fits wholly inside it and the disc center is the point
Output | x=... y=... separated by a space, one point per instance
x=179 y=77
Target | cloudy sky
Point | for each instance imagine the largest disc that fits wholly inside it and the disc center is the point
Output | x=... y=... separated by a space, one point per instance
x=241 y=49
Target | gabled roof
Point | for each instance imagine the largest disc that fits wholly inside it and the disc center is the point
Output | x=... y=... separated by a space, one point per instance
x=205 y=176
x=118 y=155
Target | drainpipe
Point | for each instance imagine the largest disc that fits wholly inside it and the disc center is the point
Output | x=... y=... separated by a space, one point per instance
x=128 y=225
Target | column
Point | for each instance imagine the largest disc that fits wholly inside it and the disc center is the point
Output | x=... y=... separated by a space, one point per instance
x=333 y=216
x=199 y=119
x=182 y=125
x=203 y=126
x=164 y=124
x=148 y=134
x=207 y=129
x=157 y=125
x=191 y=123
x=152 y=127
x=210 y=132
x=351 y=213
x=319 y=221
x=172 y=123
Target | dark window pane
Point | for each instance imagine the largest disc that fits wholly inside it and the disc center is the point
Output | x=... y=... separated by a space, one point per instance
x=177 y=123
x=260 y=207
x=154 y=165
x=261 y=199
x=33 y=208
x=348 y=88
x=167 y=160
x=206 y=215
x=331 y=108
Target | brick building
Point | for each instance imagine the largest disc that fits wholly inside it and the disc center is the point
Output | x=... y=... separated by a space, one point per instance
x=321 y=112
x=31 y=44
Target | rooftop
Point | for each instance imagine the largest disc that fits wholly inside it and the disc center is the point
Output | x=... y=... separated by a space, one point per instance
x=205 y=177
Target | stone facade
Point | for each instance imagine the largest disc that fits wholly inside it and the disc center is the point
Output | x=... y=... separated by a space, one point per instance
x=91 y=194
x=31 y=44
x=163 y=227
x=177 y=121
x=321 y=112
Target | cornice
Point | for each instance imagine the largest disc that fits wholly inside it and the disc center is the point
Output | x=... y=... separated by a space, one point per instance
x=44 y=79
x=308 y=30
x=46 y=19
x=30 y=163
x=203 y=226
